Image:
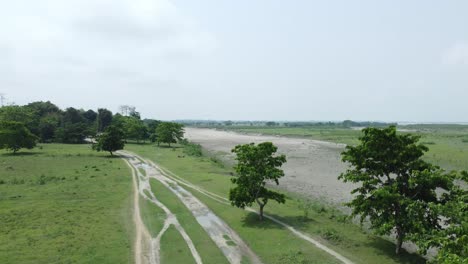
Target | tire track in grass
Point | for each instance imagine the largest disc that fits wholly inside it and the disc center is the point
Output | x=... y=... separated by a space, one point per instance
x=144 y=189
x=142 y=236
x=223 y=200
x=236 y=251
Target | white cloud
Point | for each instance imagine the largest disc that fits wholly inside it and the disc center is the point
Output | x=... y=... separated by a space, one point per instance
x=456 y=55
x=43 y=42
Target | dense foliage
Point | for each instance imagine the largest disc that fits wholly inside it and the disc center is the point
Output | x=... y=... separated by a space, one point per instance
x=168 y=132
x=256 y=165
x=452 y=239
x=15 y=135
x=112 y=139
x=51 y=124
x=397 y=188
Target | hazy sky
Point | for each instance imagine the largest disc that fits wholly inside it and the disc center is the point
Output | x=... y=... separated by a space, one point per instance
x=241 y=60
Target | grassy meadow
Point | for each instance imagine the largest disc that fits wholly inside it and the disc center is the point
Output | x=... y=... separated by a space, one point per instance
x=65 y=204
x=273 y=243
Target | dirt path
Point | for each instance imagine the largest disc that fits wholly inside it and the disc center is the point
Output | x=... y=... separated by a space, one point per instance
x=142 y=246
x=144 y=189
x=235 y=251
x=223 y=200
x=312 y=166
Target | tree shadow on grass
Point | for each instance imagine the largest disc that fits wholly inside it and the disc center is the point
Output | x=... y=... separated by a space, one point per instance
x=168 y=147
x=112 y=156
x=22 y=153
x=131 y=142
x=253 y=220
x=297 y=221
x=387 y=248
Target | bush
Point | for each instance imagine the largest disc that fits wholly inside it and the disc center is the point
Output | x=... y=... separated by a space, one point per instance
x=331 y=235
x=217 y=162
x=293 y=257
x=305 y=206
x=192 y=149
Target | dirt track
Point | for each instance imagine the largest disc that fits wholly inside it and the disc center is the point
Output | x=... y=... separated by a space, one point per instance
x=312 y=166
x=147 y=249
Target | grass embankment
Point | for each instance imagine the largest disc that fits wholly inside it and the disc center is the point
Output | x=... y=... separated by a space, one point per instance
x=271 y=242
x=448 y=144
x=332 y=134
x=65 y=204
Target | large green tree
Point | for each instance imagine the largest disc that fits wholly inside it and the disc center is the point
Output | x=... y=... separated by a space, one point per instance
x=20 y=114
x=48 y=126
x=73 y=127
x=15 y=135
x=256 y=166
x=168 y=132
x=395 y=184
x=132 y=127
x=104 y=119
x=47 y=118
x=451 y=239
x=112 y=139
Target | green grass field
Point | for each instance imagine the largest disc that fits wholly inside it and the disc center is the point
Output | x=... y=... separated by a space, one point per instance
x=68 y=204
x=65 y=204
x=448 y=144
x=270 y=241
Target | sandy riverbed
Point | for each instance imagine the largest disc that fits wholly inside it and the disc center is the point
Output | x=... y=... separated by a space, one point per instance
x=312 y=166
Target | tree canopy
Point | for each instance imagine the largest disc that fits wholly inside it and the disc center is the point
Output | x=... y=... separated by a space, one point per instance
x=256 y=165
x=104 y=119
x=452 y=239
x=111 y=140
x=15 y=135
x=169 y=132
x=395 y=183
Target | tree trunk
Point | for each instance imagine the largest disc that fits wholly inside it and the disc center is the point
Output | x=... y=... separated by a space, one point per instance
x=261 y=212
x=262 y=205
x=399 y=237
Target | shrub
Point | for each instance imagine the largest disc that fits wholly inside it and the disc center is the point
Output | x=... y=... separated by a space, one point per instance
x=331 y=235
x=305 y=206
x=192 y=149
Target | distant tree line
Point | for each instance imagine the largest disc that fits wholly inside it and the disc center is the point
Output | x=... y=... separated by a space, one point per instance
x=229 y=123
x=24 y=126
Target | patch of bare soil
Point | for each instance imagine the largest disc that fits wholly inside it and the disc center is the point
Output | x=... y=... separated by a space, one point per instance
x=312 y=166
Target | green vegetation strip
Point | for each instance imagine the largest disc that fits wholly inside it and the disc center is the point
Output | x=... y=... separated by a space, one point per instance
x=207 y=249
x=153 y=217
x=174 y=250
x=65 y=204
x=326 y=224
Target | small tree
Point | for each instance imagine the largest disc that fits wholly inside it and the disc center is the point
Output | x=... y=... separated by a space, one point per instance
x=111 y=140
x=256 y=165
x=15 y=135
x=168 y=132
x=395 y=183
